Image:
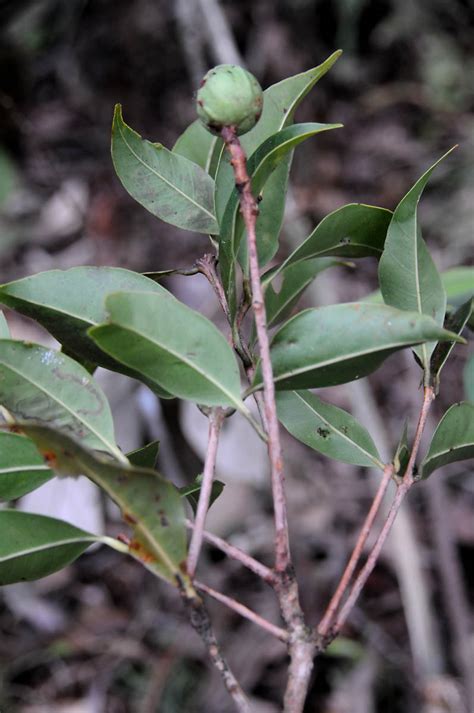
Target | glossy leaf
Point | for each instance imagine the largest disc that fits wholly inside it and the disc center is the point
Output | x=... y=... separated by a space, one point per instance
x=168 y=185
x=353 y=231
x=44 y=385
x=200 y=146
x=171 y=345
x=4 y=328
x=68 y=302
x=280 y=102
x=191 y=492
x=455 y=322
x=22 y=469
x=145 y=457
x=151 y=505
x=407 y=274
x=295 y=278
x=453 y=439
x=260 y=166
x=340 y=343
x=326 y=428
x=33 y=546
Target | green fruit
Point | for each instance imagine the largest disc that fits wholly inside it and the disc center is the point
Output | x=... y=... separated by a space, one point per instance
x=229 y=96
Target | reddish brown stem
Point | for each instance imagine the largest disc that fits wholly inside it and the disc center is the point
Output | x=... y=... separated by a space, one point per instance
x=327 y=620
x=244 y=611
x=216 y=418
x=237 y=554
x=402 y=490
x=249 y=209
x=301 y=639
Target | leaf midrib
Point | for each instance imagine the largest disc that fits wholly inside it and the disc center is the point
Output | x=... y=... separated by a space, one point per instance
x=48 y=546
x=22 y=468
x=344 y=357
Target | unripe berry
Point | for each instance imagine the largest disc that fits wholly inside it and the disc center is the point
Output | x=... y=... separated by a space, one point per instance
x=229 y=96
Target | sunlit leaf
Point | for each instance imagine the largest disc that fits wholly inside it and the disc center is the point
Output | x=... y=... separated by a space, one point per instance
x=453 y=439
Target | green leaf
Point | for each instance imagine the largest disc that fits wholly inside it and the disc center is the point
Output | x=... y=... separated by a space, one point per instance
x=280 y=102
x=295 y=278
x=407 y=274
x=68 y=302
x=455 y=322
x=355 y=230
x=340 y=343
x=151 y=505
x=33 y=546
x=191 y=492
x=453 y=439
x=458 y=283
x=145 y=457
x=468 y=378
x=4 y=328
x=21 y=467
x=171 y=345
x=271 y=212
x=45 y=385
x=199 y=146
x=402 y=453
x=326 y=428
x=260 y=166
x=168 y=185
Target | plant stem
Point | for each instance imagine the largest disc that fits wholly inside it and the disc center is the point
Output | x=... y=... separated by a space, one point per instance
x=201 y=623
x=301 y=640
x=402 y=491
x=249 y=210
x=244 y=611
x=216 y=418
x=336 y=599
x=237 y=554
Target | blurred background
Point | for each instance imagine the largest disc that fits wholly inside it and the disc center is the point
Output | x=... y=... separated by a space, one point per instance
x=104 y=636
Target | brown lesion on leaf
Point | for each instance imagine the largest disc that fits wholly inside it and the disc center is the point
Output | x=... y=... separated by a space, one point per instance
x=141 y=552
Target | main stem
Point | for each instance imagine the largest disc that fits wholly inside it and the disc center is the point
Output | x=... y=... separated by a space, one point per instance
x=301 y=640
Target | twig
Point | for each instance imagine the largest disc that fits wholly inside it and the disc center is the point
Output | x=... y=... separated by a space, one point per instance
x=244 y=611
x=336 y=599
x=301 y=639
x=202 y=624
x=206 y=265
x=237 y=554
x=402 y=490
x=216 y=418
x=249 y=210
